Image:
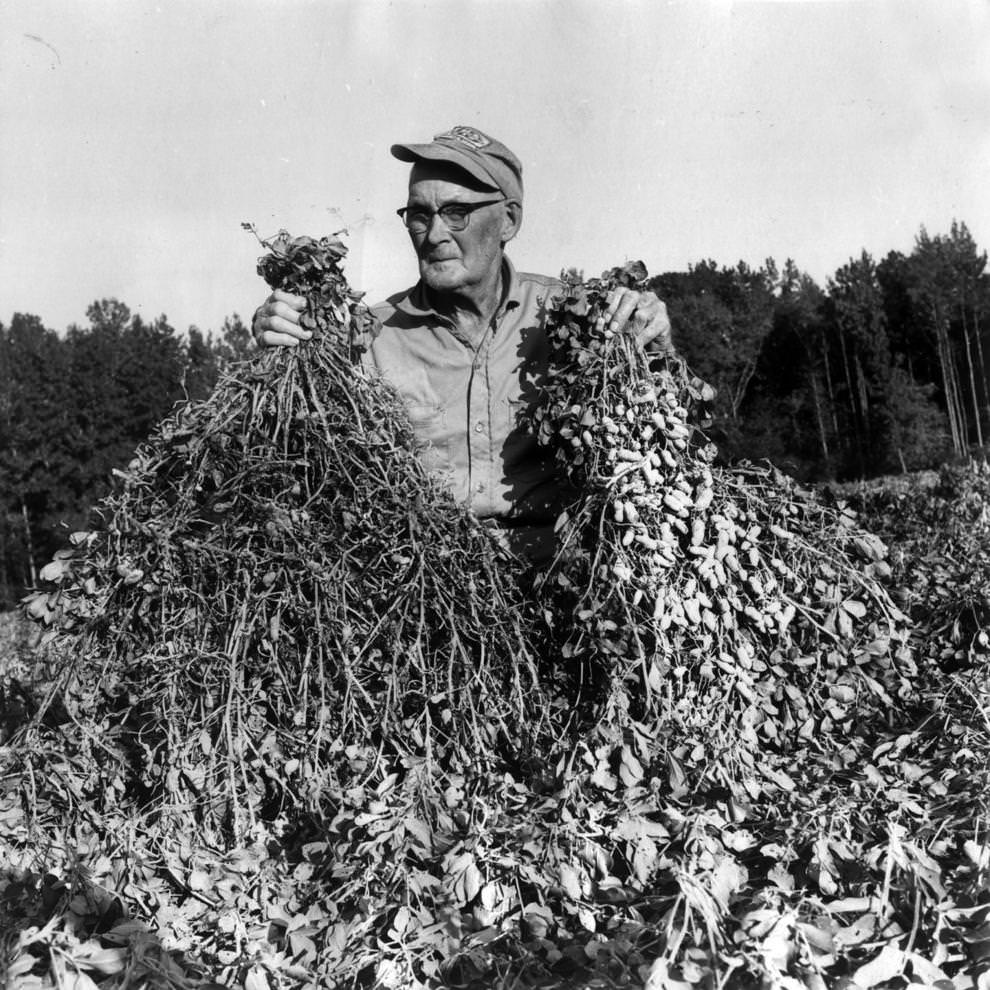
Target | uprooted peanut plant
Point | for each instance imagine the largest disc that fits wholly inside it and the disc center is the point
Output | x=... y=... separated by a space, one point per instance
x=306 y=724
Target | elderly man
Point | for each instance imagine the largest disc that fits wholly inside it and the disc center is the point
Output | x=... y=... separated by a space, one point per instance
x=466 y=346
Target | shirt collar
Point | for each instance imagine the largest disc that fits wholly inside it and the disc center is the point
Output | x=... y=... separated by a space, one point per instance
x=416 y=304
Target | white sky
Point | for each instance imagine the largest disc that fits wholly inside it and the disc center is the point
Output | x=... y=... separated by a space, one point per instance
x=137 y=136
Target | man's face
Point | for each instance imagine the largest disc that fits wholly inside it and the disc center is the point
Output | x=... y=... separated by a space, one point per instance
x=456 y=261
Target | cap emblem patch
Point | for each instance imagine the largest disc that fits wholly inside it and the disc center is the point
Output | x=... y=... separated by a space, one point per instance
x=465 y=135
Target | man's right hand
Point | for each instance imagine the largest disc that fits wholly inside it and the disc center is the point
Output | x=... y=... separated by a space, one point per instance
x=276 y=323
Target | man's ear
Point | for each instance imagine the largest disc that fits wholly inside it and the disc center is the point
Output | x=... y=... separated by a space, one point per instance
x=512 y=220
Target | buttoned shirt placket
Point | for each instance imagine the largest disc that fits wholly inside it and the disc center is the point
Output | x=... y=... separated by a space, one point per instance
x=478 y=418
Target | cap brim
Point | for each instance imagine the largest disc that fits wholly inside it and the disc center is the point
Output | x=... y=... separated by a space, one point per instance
x=438 y=153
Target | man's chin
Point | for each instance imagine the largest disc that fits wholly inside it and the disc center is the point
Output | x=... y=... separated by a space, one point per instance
x=442 y=275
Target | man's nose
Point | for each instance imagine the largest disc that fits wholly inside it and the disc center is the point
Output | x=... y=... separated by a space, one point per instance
x=436 y=230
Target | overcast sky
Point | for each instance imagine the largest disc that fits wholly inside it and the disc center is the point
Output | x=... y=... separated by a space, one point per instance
x=137 y=136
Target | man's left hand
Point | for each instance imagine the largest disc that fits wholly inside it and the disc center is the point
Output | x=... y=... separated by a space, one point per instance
x=642 y=313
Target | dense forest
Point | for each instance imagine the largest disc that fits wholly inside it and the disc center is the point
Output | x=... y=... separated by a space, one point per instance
x=881 y=370
x=74 y=406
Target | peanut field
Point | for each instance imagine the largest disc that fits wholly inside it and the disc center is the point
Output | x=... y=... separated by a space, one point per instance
x=291 y=717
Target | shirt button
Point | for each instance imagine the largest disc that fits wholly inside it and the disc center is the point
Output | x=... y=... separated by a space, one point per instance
x=481 y=487
x=479 y=427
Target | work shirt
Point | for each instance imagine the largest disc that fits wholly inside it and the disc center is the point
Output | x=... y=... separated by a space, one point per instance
x=465 y=398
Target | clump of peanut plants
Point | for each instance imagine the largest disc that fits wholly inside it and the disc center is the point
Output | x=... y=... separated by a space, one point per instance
x=726 y=608
x=278 y=583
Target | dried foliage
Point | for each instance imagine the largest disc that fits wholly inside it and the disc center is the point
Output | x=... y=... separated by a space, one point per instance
x=941 y=556
x=733 y=765
x=730 y=610
x=279 y=578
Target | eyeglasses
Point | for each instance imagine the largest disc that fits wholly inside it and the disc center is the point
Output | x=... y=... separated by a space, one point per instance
x=455 y=216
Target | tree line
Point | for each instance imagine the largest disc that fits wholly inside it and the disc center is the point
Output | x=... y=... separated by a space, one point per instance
x=881 y=370
x=74 y=406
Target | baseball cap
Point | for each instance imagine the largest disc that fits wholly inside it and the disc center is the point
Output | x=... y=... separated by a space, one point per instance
x=481 y=156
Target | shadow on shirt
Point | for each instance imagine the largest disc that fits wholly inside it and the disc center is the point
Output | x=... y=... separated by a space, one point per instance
x=537 y=486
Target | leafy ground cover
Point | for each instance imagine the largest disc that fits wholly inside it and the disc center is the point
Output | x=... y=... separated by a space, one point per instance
x=752 y=751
